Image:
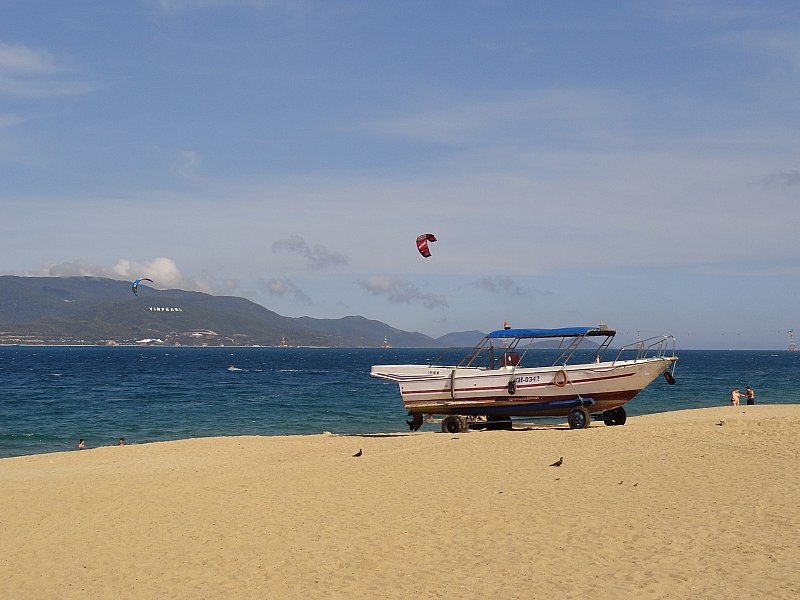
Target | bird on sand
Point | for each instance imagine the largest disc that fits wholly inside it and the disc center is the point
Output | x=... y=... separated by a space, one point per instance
x=357 y=454
x=558 y=463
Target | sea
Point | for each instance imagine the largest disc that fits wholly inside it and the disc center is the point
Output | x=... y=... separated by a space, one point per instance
x=50 y=396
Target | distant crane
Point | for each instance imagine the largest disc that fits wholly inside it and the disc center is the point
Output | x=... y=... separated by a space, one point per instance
x=792 y=347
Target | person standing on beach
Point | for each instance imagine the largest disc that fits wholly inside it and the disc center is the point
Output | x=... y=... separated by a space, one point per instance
x=735 y=395
x=750 y=395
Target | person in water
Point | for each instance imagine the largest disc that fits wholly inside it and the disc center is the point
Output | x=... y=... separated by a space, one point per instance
x=121 y=442
x=81 y=444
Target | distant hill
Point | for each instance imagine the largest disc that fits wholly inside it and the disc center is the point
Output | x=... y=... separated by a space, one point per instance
x=464 y=339
x=94 y=310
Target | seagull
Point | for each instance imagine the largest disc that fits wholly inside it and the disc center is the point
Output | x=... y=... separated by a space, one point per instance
x=357 y=454
x=558 y=463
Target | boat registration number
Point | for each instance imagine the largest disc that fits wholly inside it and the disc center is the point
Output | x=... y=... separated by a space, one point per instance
x=527 y=379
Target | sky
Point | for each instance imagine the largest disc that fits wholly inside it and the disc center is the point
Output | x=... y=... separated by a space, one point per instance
x=630 y=163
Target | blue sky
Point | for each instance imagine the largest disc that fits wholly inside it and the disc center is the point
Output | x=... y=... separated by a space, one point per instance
x=626 y=162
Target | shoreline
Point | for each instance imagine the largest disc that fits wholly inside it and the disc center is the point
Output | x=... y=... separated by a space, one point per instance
x=520 y=425
x=536 y=424
x=693 y=503
x=308 y=347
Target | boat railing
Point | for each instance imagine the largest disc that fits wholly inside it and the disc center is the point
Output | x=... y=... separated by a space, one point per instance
x=514 y=354
x=662 y=346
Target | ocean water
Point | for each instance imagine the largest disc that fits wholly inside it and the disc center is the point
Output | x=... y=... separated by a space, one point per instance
x=52 y=396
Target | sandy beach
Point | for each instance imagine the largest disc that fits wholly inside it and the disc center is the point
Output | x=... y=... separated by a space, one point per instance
x=690 y=504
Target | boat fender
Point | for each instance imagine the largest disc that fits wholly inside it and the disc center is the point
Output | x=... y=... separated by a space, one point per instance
x=669 y=377
x=560 y=378
x=512 y=387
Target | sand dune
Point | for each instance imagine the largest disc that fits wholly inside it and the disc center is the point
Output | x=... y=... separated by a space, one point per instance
x=689 y=504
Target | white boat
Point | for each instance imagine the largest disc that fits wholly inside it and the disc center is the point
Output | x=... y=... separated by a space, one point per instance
x=533 y=372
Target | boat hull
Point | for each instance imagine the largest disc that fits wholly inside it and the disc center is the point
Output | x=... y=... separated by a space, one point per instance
x=520 y=392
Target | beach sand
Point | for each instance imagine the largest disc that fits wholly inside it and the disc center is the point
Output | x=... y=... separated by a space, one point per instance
x=690 y=504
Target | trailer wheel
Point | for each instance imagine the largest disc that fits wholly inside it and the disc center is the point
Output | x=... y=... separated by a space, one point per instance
x=494 y=423
x=615 y=416
x=579 y=418
x=454 y=424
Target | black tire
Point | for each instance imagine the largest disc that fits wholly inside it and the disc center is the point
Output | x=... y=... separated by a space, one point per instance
x=496 y=423
x=512 y=387
x=579 y=418
x=669 y=377
x=615 y=416
x=454 y=424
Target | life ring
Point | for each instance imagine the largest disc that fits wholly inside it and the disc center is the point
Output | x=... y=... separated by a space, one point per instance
x=560 y=378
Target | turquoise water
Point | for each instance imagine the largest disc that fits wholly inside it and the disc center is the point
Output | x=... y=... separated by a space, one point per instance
x=52 y=396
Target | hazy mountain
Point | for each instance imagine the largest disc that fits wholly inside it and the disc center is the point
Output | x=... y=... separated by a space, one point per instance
x=464 y=339
x=99 y=310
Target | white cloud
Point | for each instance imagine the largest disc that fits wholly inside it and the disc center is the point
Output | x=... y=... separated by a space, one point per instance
x=401 y=291
x=187 y=163
x=552 y=114
x=163 y=271
x=172 y=7
x=29 y=73
x=19 y=59
x=782 y=179
x=317 y=258
x=9 y=120
x=70 y=269
x=500 y=284
x=286 y=287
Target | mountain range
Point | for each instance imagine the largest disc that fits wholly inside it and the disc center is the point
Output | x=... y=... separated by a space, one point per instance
x=96 y=310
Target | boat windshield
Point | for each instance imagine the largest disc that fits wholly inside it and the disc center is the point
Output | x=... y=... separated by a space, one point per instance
x=531 y=348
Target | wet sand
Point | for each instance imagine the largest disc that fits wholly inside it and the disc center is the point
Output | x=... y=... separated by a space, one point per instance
x=702 y=503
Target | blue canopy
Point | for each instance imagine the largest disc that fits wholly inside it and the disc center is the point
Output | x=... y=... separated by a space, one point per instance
x=551 y=333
